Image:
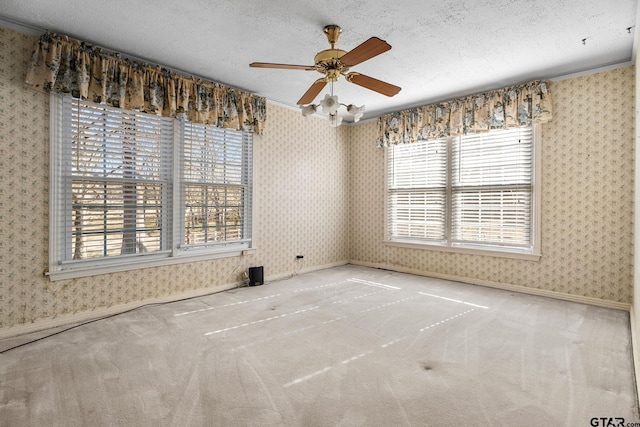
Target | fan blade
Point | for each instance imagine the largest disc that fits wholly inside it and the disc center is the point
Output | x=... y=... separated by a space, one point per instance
x=282 y=66
x=367 y=50
x=374 y=84
x=312 y=92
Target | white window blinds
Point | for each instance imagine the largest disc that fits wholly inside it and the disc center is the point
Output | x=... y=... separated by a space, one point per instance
x=217 y=173
x=418 y=190
x=468 y=191
x=115 y=172
x=134 y=190
x=492 y=187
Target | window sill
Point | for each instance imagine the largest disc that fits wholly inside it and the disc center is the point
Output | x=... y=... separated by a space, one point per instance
x=117 y=267
x=513 y=254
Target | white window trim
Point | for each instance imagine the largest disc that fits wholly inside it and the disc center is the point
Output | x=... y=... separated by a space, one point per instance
x=177 y=254
x=533 y=254
x=155 y=260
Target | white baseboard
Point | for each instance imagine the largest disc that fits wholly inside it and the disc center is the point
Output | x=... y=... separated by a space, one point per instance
x=116 y=309
x=508 y=287
x=635 y=350
x=109 y=311
x=303 y=270
x=85 y=316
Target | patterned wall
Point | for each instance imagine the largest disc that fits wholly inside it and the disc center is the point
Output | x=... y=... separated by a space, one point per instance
x=319 y=193
x=587 y=199
x=301 y=192
x=301 y=180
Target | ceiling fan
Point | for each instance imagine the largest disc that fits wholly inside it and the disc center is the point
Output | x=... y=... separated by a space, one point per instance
x=336 y=62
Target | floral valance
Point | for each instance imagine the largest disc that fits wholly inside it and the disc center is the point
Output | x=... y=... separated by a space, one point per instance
x=65 y=65
x=514 y=106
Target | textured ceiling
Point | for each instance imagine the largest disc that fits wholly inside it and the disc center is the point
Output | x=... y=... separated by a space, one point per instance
x=440 y=49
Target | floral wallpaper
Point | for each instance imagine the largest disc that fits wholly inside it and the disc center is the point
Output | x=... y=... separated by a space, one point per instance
x=301 y=193
x=301 y=208
x=319 y=193
x=587 y=199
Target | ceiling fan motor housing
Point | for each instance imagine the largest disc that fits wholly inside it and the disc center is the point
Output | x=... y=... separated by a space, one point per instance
x=328 y=62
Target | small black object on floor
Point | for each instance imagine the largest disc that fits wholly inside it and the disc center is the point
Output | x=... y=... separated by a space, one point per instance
x=256 y=276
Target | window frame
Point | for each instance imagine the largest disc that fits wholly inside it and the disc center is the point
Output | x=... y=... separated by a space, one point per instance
x=531 y=253
x=247 y=162
x=173 y=222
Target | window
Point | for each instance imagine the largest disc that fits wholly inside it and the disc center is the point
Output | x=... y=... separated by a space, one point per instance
x=470 y=193
x=215 y=191
x=130 y=190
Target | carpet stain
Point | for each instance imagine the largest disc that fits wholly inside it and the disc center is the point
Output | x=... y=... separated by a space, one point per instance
x=426 y=366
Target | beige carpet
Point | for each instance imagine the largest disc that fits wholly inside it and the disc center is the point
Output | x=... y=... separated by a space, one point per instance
x=348 y=346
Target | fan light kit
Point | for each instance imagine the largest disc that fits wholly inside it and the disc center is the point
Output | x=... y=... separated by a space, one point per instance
x=334 y=63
